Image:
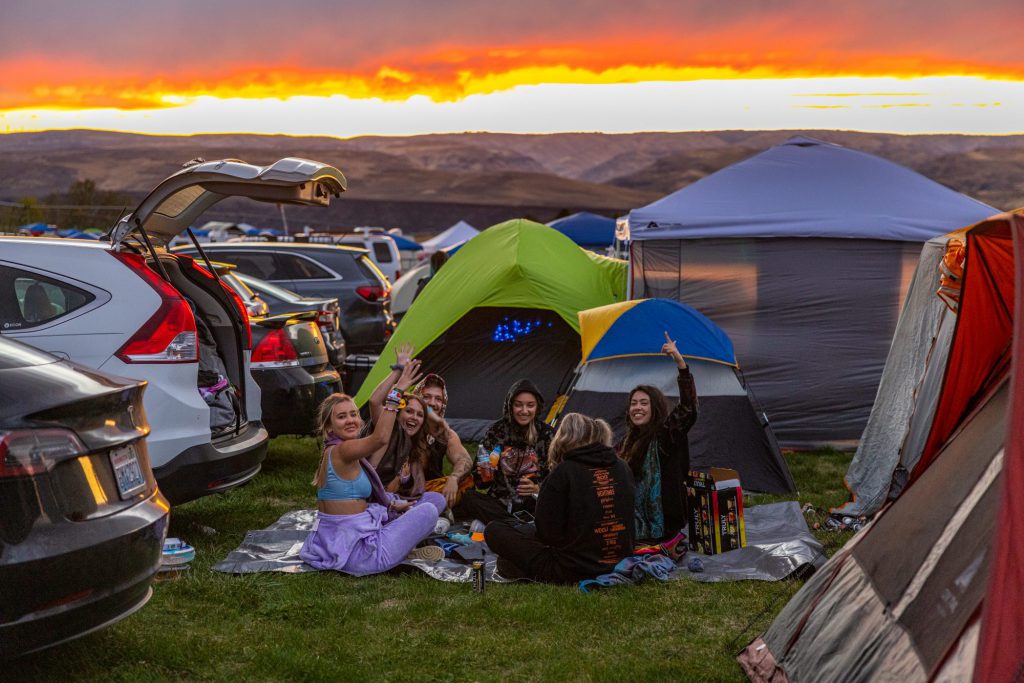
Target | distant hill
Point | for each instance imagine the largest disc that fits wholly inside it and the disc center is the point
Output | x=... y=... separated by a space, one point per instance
x=425 y=183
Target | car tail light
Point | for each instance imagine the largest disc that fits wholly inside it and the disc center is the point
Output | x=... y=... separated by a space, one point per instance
x=372 y=292
x=274 y=350
x=34 y=451
x=235 y=298
x=243 y=311
x=398 y=274
x=325 y=318
x=195 y=264
x=169 y=336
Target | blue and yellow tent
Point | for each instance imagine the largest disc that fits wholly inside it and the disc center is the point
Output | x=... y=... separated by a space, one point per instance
x=621 y=348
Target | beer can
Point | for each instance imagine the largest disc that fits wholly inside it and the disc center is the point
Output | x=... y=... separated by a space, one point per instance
x=479 y=580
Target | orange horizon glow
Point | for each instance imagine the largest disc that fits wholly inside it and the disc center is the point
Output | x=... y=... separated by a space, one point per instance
x=447 y=74
x=407 y=67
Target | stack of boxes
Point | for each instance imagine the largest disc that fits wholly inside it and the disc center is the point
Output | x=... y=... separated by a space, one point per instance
x=715 y=502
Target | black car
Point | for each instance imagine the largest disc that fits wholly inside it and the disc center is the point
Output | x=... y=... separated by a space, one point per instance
x=320 y=270
x=290 y=364
x=82 y=523
x=279 y=301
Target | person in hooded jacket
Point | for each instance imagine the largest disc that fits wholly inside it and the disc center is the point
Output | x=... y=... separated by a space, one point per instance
x=656 y=447
x=584 y=516
x=520 y=441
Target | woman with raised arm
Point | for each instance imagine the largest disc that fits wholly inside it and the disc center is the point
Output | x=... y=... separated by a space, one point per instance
x=657 y=449
x=390 y=459
x=361 y=528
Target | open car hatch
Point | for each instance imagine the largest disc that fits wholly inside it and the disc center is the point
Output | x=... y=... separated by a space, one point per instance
x=180 y=199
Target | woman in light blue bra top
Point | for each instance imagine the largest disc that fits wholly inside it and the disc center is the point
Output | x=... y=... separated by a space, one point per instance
x=336 y=488
x=361 y=528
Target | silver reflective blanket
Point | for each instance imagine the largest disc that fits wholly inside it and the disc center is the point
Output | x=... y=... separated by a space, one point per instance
x=778 y=544
x=276 y=549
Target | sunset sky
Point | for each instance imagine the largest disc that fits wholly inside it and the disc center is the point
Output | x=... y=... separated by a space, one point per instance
x=347 y=68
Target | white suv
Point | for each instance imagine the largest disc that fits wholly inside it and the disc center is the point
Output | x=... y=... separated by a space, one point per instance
x=127 y=306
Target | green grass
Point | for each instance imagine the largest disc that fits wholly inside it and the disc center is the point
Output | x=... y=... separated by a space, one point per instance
x=408 y=627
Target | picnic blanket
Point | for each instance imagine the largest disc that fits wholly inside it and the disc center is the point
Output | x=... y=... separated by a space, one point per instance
x=778 y=544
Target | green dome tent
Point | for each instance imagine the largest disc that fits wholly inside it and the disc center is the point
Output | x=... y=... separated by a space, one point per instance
x=503 y=308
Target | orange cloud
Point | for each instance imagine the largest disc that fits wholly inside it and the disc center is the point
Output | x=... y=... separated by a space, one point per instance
x=448 y=71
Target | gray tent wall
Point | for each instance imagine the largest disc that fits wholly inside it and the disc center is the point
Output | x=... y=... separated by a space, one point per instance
x=811 y=318
x=905 y=402
x=899 y=601
x=729 y=431
x=802 y=255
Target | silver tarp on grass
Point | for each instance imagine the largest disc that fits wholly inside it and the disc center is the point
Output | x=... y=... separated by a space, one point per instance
x=276 y=549
x=778 y=544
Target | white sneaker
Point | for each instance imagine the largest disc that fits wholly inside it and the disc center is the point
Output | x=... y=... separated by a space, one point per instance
x=428 y=553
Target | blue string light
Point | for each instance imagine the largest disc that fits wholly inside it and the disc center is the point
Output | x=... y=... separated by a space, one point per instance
x=512 y=329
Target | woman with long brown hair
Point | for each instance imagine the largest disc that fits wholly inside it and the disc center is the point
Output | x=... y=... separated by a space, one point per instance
x=361 y=528
x=584 y=519
x=657 y=449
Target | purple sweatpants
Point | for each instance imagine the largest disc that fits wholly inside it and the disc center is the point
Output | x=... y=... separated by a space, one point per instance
x=368 y=543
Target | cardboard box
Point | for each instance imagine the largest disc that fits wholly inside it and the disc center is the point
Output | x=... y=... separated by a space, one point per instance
x=715 y=503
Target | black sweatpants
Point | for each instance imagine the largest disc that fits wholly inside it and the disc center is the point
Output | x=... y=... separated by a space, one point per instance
x=516 y=543
x=476 y=505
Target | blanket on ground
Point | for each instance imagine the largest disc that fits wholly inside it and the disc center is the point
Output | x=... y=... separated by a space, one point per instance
x=778 y=544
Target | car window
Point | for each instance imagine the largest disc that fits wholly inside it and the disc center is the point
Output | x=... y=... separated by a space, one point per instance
x=299 y=268
x=268 y=288
x=240 y=288
x=29 y=299
x=263 y=265
x=382 y=252
x=370 y=270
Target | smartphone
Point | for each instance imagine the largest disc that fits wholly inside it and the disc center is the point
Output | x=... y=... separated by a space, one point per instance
x=523 y=516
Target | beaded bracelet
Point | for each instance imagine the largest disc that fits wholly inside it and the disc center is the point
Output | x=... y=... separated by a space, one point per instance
x=390 y=410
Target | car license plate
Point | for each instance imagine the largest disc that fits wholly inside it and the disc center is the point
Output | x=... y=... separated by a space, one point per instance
x=127 y=471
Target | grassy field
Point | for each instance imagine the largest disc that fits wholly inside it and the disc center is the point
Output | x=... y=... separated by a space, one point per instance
x=408 y=627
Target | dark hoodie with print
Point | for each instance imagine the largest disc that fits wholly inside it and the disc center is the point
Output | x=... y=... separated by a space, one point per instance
x=585 y=511
x=518 y=456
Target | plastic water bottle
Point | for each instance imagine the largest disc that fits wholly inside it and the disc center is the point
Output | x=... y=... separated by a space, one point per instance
x=483 y=465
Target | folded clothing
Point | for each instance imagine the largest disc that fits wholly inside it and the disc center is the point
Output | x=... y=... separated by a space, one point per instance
x=632 y=570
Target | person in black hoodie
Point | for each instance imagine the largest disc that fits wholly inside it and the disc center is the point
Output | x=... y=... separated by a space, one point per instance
x=657 y=449
x=520 y=442
x=584 y=519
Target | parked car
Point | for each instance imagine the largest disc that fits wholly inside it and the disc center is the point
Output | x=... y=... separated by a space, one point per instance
x=127 y=306
x=290 y=360
x=290 y=363
x=279 y=300
x=381 y=249
x=82 y=522
x=320 y=270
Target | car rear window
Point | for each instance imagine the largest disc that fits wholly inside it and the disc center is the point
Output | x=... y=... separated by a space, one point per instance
x=382 y=252
x=258 y=264
x=29 y=299
x=341 y=261
x=370 y=271
x=302 y=268
x=269 y=288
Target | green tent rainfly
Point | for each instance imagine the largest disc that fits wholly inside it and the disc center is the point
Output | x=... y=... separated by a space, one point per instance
x=518 y=265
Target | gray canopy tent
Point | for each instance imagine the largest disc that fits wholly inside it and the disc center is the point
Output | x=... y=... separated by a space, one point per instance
x=802 y=254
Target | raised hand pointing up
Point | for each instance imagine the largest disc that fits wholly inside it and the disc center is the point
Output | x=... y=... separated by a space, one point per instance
x=670 y=350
